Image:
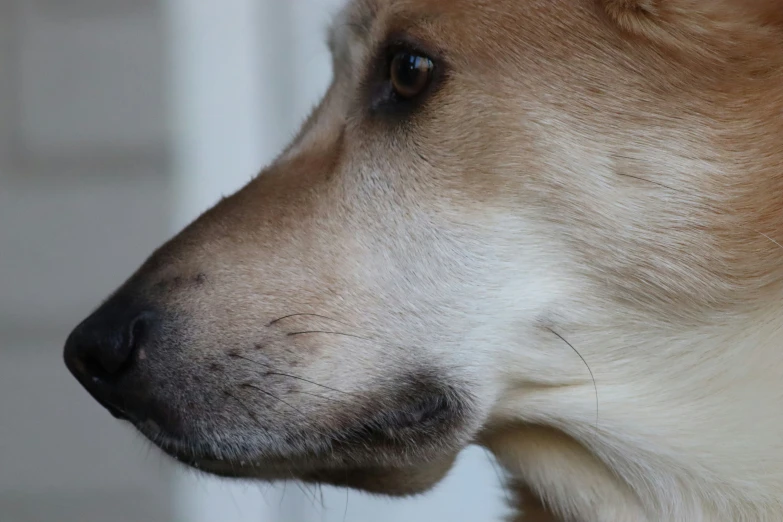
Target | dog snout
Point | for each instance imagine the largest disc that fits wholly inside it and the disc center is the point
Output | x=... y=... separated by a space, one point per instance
x=102 y=349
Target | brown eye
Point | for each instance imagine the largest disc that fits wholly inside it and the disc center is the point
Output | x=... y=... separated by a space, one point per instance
x=410 y=74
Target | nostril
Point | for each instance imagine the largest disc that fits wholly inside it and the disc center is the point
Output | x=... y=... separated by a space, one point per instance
x=115 y=359
x=103 y=346
x=91 y=365
x=138 y=330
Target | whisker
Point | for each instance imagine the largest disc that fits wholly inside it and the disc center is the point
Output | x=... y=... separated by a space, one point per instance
x=766 y=236
x=649 y=181
x=245 y=407
x=352 y=394
x=282 y=497
x=309 y=315
x=270 y=394
x=372 y=337
x=307 y=493
x=595 y=386
x=313 y=426
x=273 y=372
x=291 y=334
x=311 y=394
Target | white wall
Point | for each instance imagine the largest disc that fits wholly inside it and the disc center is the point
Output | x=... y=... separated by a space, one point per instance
x=83 y=197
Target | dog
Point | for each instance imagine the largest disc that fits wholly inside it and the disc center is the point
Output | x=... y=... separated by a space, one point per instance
x=551 y=228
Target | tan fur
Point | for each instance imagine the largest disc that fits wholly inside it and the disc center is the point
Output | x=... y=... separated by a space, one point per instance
x=579 y=231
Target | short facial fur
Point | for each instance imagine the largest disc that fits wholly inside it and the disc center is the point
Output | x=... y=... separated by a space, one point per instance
x=568 y=250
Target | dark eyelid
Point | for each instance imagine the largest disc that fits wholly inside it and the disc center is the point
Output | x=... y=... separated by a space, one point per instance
x=400 y=41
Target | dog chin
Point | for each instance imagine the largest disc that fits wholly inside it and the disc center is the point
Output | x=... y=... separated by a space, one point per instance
x=385 y=479
x=390 y=481
x=381 y=470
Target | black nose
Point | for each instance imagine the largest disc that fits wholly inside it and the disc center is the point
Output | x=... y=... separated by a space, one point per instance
x=101 y=349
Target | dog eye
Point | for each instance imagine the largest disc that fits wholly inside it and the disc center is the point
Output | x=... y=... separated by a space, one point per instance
x=410 y=74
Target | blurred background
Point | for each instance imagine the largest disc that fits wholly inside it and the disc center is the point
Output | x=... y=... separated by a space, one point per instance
x=120 y=121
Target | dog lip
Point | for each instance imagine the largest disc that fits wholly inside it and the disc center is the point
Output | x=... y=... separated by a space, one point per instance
x=95 y=387
x=116 y=412
x=406 y=426
x=117 y=403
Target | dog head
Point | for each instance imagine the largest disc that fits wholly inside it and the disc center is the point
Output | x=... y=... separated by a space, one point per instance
x=480 y=176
